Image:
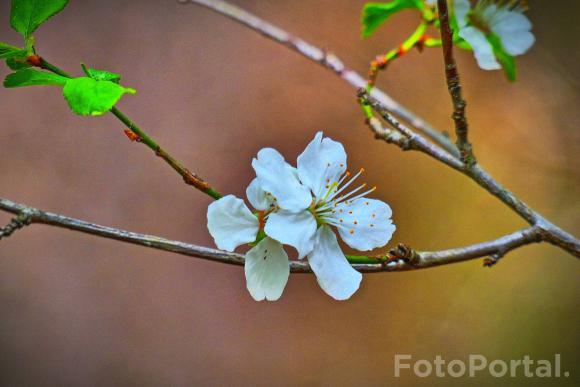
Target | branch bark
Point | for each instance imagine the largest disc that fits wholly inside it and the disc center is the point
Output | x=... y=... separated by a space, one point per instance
x=327 y=60
x=415 y=260
x=454 y=86
x=551 y=233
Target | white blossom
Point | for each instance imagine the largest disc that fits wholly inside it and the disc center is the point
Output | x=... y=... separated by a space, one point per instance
x=505 y=19
x=299 y=207
x=232 y=224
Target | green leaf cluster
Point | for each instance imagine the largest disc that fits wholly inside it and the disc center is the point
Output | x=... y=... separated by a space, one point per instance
x=86 y=96
x=32 y=77
x=90 y=97
x=27 y=15
x=375 y=14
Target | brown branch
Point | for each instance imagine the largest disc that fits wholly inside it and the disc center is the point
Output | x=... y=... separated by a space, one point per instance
x=327 y=60
x=138 y=134
x=454 y=86
x=551 y=233
x=411 y=261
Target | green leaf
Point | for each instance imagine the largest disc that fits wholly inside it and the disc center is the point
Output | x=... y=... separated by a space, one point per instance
x=506 y=60
x=89 y=97
x=374 y=14
x=8 y=51
x=27 y=15
x=32 y=77
x=16 y=64
x=101 y=75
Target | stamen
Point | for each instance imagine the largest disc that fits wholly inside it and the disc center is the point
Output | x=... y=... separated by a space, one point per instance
x=344 y=197
x=362 y=195
x=347 y=183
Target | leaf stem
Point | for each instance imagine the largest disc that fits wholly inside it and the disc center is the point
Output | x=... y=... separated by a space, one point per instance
x=189 y=177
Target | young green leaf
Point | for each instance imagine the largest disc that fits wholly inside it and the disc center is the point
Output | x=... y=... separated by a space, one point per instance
x=374 y=14
x=8 y=51
x=89 y=97
x=16 y=64
x=101 y=75
x=507 y=61
x=32 y=77
x=27 y=15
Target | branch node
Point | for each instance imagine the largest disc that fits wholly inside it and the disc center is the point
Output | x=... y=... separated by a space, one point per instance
x=492 y=259
x=21 y=220
x=401 y=254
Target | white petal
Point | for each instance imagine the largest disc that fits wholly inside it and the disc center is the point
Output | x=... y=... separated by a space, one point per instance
x=322 y=163
x=461 y=9
x=294 y=229
x=267 y=270
x=333 y=272
x=517 y=43
x=510 y=21
x=366 y=223
x=481 y=48
x=257 y=197
x=231 y=223
x=279 y=178
x=513 y=29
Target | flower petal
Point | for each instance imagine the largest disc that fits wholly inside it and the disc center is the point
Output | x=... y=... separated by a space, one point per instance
x=509 y=21
x=231 y=223
x=333 y=272
x=277 y=177
x=481 y=48
x=294 y=229
x=258 y=198
x=461 y=9
x=322 y=163
x=517 y=43
x=267 y=270
x=365 y=224
x=513 y=29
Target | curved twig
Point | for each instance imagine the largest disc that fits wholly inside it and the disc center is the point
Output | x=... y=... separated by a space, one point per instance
x=415 y=260
x=326 y=59
x=411 y=140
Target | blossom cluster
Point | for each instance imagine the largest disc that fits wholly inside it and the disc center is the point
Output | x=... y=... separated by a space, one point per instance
x=300 y=206
x=493 y=26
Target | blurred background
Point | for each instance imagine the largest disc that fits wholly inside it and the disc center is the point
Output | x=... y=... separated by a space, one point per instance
x=78 y=310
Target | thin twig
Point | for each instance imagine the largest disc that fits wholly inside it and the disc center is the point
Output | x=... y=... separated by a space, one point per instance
x=189 y=177
x=327 y=60
x=454 y=86
x=551 y=233
x=414 y=260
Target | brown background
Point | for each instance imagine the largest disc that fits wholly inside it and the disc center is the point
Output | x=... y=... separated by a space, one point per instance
x=76 y=310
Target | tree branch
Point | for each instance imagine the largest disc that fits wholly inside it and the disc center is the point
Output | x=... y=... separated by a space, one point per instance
x=551 y=233
x=391 y=262
x=454 y=86
x=189 y=177
x=327 y=60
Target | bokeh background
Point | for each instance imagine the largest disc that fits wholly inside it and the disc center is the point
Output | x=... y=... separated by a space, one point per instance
x=77 y=310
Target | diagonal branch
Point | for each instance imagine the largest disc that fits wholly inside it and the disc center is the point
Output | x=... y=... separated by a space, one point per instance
x=552 y=233
x=454 y=86
x=411 y=261
x=139 y=135
x=411 y=140
x=327 y=60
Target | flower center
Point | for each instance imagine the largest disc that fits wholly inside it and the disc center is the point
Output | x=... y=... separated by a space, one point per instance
x=324 y=209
